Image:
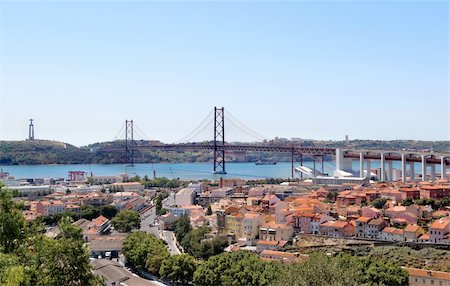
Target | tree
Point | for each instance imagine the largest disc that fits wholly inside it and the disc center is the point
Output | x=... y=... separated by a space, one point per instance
x=379 y=203
x=126 y=220
x=407 y=202
x=178 y=269
x=108 y=211
x=182 y=227
x=63 y=261
x=235 y=268
x=144 y=251
x=380 y=272
x=11 y=222
x=89 y=212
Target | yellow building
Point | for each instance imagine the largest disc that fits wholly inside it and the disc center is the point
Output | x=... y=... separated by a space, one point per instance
x=233 y=225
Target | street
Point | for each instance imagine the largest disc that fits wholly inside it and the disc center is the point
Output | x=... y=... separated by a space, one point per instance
x=167 y=236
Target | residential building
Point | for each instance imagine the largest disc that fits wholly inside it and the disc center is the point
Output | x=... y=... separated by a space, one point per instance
x=274 y=231
x=337 y=229
x=422 y=277
x=129 y=186
x=412 y=232
x=362 y=226
x=392 y=234
x=274 y=245
x=440 y=231
x=234 y=225
x=282 y=256
x=375 y=227
x=434 y=192
x=185 y=196
x=48 y=208
x=251 y=223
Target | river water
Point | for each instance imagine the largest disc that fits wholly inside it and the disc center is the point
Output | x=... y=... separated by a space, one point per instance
x=187 y=171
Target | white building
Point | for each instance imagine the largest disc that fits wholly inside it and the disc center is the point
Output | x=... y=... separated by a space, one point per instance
x=185 y=196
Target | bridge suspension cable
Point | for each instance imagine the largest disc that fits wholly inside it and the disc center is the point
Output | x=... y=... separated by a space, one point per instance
x=242 y=127
x=198 y=130
x=121 y=134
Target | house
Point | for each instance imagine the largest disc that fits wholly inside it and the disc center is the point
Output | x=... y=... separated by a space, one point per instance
x=422 y=277
x=129 y=186
x=392 y=234
x=337 y=229
x=317 y=220
x=234 y=225
x=412 y=232
x=274 y=231
x=440 y=231
x=410 y=193
x=49 y=208
x=408 y=214
x=251 y=223
x=108 y=246
x=268 y=201
x=282 y=256
x=274 y=245
x=185 y=210
x=167 y=220
x=302 y=222
x=434 y=192
x=362 y=226
x=115 y=274
x=375 y=227
x=185 y=196
x=370 y=212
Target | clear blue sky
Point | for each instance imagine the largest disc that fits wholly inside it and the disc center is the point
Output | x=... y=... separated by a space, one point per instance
x=310 y=69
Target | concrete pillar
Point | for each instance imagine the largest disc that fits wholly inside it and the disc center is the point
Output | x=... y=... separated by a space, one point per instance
x=433 y=172
x=411 y=171
x=368 y=169
x=361 y=165
x=443 y=169
x=383 y=174
x=403 y=168
x=390 y=171
x=424 y=168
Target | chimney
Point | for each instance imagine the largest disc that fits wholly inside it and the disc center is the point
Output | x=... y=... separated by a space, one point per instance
x=221 y=182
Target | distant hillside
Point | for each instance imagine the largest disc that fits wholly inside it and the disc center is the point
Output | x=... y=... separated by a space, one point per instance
x=53 y=152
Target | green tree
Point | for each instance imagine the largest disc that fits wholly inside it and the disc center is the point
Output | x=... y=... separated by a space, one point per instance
x=108 y=211
x=126 y=220
x=144 y=251
x=407 y=202
x=235 y=268
x=182 y=227
x=178 y=269
x=89 y=212
x=381 y=272
x=11 y=222
x=379 y=203
x=11 y=271
x=63 y=261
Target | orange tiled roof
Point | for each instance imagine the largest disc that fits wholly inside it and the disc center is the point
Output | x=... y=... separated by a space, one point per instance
x=336 y=224
x=393 y=230
x=440 y=224
x=411 y=228
x=364 y=219
x=428 y=273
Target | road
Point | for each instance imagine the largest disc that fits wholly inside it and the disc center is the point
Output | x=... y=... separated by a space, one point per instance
x=148 y=225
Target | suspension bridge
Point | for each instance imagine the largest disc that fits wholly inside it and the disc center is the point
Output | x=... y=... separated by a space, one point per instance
x=218 y=144
x=342 y=157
